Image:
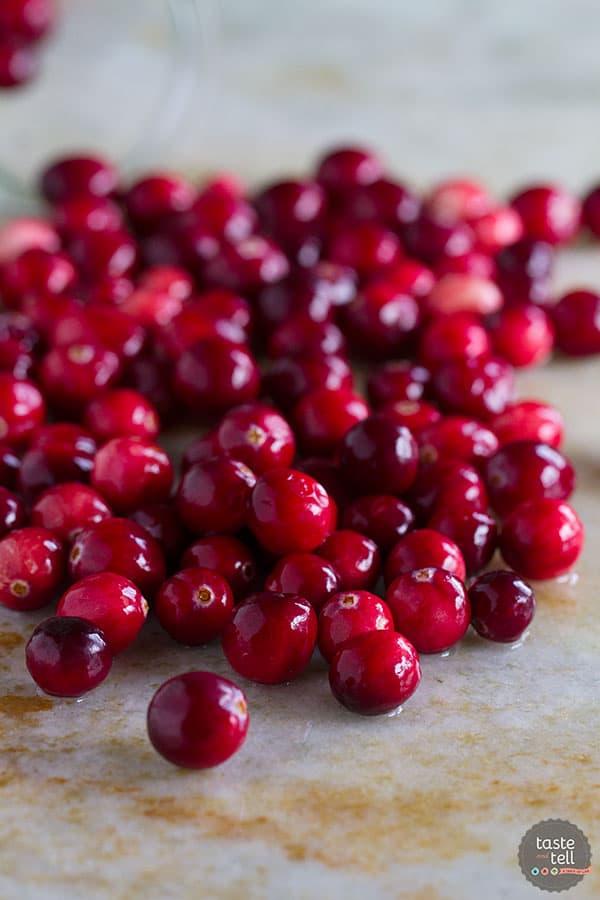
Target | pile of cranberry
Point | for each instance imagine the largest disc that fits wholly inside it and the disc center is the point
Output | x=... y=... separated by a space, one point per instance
x=23 y=24
x=130 y=310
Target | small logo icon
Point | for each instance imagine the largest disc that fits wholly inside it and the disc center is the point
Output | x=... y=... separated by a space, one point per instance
x=555 y=855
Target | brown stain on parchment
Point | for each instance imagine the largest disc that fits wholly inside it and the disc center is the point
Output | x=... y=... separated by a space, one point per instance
x=19 y=705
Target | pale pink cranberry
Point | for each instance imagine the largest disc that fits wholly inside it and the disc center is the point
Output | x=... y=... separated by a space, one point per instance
x=121 y=412
x=19 y=235
x=523 y=335
x=430 y=607
x=32 y=566
x=422 y=549
x=22 y=409
x=381 y=320
x=67 y=508
x=529 y=420
x=456 y=336
x=156 y=196
x=498 y=228
x=72 y=376
x=458 y=200
x=464 y=293
x=131 y=471
x=548 y=212
x=258 y=436
x=322 y=418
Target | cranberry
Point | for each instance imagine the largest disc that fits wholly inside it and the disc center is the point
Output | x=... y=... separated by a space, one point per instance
x=19 y=62
x=430 y=607
x=22 y=409
x=172 y=280
x=381 y=321
x=119 y=546
x=35 y=271
x=58 y=452
x=457 y=437
x=271 y=637
x=375 y=672
x=130 y=471
x=410 y=276
x=471 y=263
x=446 y=483
x=348 y=167
x=548 y=213
x=156 y=196
x=323 y=417
x=364 y=246
x=121 y=413
x=458 y=200
x=428 y=240
x=20 y=234
x=229 y=557
x=65 y=509
x=201 y=449
x=421 y=549
x=354 y=557
x=463 y=293
x=529 y=420
x=72 y=376
x=378 y=455
x=397 y=380
x=12 y=512
x=74 y=175
x=225 y=308
x=300 y=336
x=302 y=294
x=9 y=466
x=577 y=320
x=541 y=538
x=290 y=512
x=327 y=472
x=32 y=564
x=192 y=324
x=247 y=265
x=528 y=257
x=385 y=201
x=523 y=335
x=453 y=337
x=28 y=19
x=215 y=375
x=150 y=376
x=346 y=615
x=46 y=311
x=67 y=657
x=475 y=532
x=258 y=436
x=100 y=253
x=502 y=606
x=86 y=213
x=225 y=215
x=162 y=523
x=197 y=720
x=108 y=290
x=194 y=605
x=306 y=575
x=527 y=470
x=202 y=492
x=414 y=414
x=474 y=387
x=291 y=211
x=500 y=227
x=289 y=379
x=381 y=517
x=591 y=210
x=112 y=328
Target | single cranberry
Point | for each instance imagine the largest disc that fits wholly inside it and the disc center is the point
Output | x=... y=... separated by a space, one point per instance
x=67 y=657
x=411 y=276
x=194 y=605
x=156 y=196
x=74 y=175
x=112 y=328
x=214 y=375
x=271 y=637
x=475 y=387
x=326 y=471
x=247 y=265
x=457 y=437
x=523 y=335
x=577 y=321
x=9 y=466
x=464 y=293
x=258 y=436
x=305 y=575
x=375 y=672
x=397 y=380
x=381 y=517
x=193 y=323
x=453 y=337
x=228 y=183
x=19 y=61
x=348 y=167
x=430 y=607
x=213 y=496
x=428 y=240
x=378 y=455
x=290 y=378
x=364 y=246
x=471 y=263
x=65 y=509
x=151 y=377
x=172 y=280
x=197 y=720
x=43 y=467
x=500 y=227
x=121 y=413
x=201 y=449
x=22 y=410
x=389 y=202
x=290 y=512
x=111 y=602
x=32 y=565
x=414 y=414
x=549 y=213
x=301 y=336
x=225 y=307
x=131 y=471
x=422 y=549
x=347 y=614
x=542 y=538
x=301 y=294
x=100 y=253
x=72 y=376
x=528 y=257
x=591 y=210
x=119 y=546
x=18 y=235
x=354 y=557
x=225 y=215
x=446 y=482
x=47 y=310
x=86 y=213
x=518 y=288
x=12 y=512
x=229 y=557
x=458 y=200
x=35 y=271
x=527 y=470
x=529 y=420
x=153 y=309
x=291 y=211
x=28 y=19
x=335 y=284
x=323 y=417
x=476 y=533
x=163 y=524
x=502 y=606
x=381 y=320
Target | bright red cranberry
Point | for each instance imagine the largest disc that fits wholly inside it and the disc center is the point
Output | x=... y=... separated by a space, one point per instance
x=500 y=227
x=153 y=309
x=381 y=517
x=119 y=546
x=502 y=606
x=301 y=336
x=100 y=253
x=194 y=323
x=290 y=512
x=542 y=538
x=529 y=420
x=577 y=321
x=32 y=565
x=348 y=167
x=156 y=196
x=225 y=307
x=422 y=549
x=305 y=575
x=475 y=387
x=464 y=293
x=258 y=436
x=523 y=335
x=162 y=523
x=323 y=417
x=67 y=508
x=19 y=61
x=151 y=377
x=354 y=557
x=194 y=605
x=18 y=235
x=225 y=215
x=347 y=614
x=9 y=466
x=214 y=375
x=476 y=533
x=12 y=512
x=327 y=472
x=429 y=241
x=27 y=19
x=472 y=263
x=171 y=280
x=378 y=455
x=527 y=470
x=22 y=409
x=389 y=202
x=549 y=213
x=430 y=607
x=67 y=657
x=72 y=376
x=411 y=276
x=131 y=471
x=35 y=272
x=213 y=496
x=113 y=328
x=73 y=438
x=457 y=437
x=121 y=413
x=381 y=320
x=247 y=265
x=414 y=414
x=456 y=336
x=197 y=720
x=111 y=602
x=86 y=213
x=74 y=175
x=375 y=672
x=291 y=211
x=43 y=467
x=458 y=200
x=201 y=449
x=397 y=380
x=271 y=637
x=591 y=210
x=446 y=483
x=364 y=246
x=229 y=557
x=289 y=379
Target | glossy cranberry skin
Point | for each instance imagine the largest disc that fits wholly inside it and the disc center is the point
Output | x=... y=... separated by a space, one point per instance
x=591 y=210
x=151 y=377
x=411 y=276
x=163 y=524
x=213 y=496
x=72 y=176
x=214 y=375
x=305 y=575
x=247 y=265
x=67 y=657
x=502 y=606
x=463 y=293
x=347 y=167
x=457 y=437
x=476 y=533
x=258 y=436
x=98 y=254
x=201 y=449
x=447 y=482
x=12 y=512
x=229 y=557
x=375 y=672
x=107 y=290
x=291 y=211
x=379 y=456
x=156 y=196
x=397 y=380
x=22 y=410
x=192 y=324
x=131 y=471
x=498 y=228
x=389 y=202
x=413 y=414
x=119 y=546
x=529 y=420
x=108 y=326
x=289 y=379
x=456 y=336
x=19 y=62
x=86 y=213
x=35 y=271
x=474 y=387
x=194 y=605
x=472 y=263
x=303 y=293
x=323 y=417
x=381 y=320
x=381 y=517
x=172 y=280
x=428 y=240
x=301 y=336
x=347 y=614
x=548 y=213
x=197 y=720
x=527 y=470
x=542 y=538
x=523 y=335
x=430 y=607
x=32 y=565
x=365 y=247
x=71 y=376
x=271 y=637
x=65 y=509
x=327 y=472
x=421 y=549
x=290 y=512
x=121 y=412
x=58 y=452
x=458 y=200
x=354 y=557
x=577 y=321
x=9 y=466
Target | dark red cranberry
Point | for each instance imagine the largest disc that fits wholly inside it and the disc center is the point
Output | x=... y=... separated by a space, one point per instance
x=364 y=246
x=458 y=200
x=258 y=436
x=22 y=410
x=271 y=637
x=381 y=321
x=430 y=607
x=457 y=437
x=192 y=324
x=475 y=387
x=151 y=376
x=348 y=167
x=107 y=290
x=306 y=575
x=27 y=19
x=301 y=294
x=397 y=380
x=531 y=258
x=455 y=293
x=111 y=602
x=451 y=337
x=225 y=215
x=86 y=213
x=213 y=496
x=32 y=565
x=67 y=657
x=229 y=557
x=523 y=335
x=19 y=61
x=290 y=512
x=422 y=549
x=201 y=449
x=472 y=263
x=122 y=547
x=591 y=210
x=12 y=512
x=500 y=227
x=354 y=557
x=156 y=196
x=527 y=470
x=577 y=321
x=58 y=452
x=214 y=375
x=389 y=202
x=529 y=420
x=197 y=720
x=381 y=517
x=414 y=414
x=429 y=241
x=15 y=360
x=162 y=248
x=72 y=376
x=375 y=672
x=74 y=175
x=35 y=272
x=100 y=253
x=549 y=213
x=378 y=455
x=446 y=482
x=65 y=509
x=411 y=276
x=194 y=605
x=291 y=211
x=476 y=533
x=502 y=606
x=121 y=413
x=289 y=379
x=327 y=472
x=323 y=417
x=247 y=265
x=9 y=466
x=112 y=328
x=346 y=615
x=131 y=471
x=301 y=336
x=162 y=523
x=47 y=310
x=542 y=538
